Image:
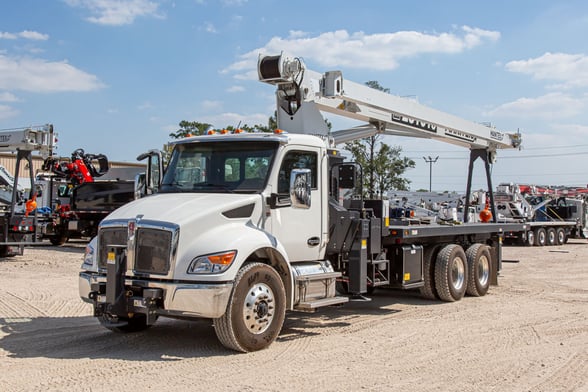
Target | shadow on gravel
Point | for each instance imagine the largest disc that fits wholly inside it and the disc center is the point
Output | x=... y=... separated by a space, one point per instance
x=170 y=339
x=84 y=337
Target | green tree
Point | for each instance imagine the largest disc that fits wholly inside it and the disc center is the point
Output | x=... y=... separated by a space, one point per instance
x=382 y=165
x=190 y=128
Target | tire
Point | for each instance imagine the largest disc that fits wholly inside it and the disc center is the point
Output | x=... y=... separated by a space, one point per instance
x=540 y=236
x=551 y=237
x=58 y=240
x=256 y=310
x=428 y=291
x=451 y=273
x=530 y=238
x=479 y=269
x=125 y=325
x=561 y=237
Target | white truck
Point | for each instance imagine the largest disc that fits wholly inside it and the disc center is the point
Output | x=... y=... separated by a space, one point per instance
x=246 y=227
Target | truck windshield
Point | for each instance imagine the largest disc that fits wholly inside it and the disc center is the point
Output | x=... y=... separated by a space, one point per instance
x=239 y=167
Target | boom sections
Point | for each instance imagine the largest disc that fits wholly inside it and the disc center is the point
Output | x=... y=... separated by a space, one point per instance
x=302 y=94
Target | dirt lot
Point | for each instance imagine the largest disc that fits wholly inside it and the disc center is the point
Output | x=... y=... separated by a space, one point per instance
x=530 y=333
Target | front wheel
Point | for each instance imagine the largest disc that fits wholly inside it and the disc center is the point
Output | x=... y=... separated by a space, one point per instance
x=256 y=310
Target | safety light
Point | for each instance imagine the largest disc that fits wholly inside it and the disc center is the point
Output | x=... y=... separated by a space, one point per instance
x=279 y=131
x=211 y=132
x=224 y=131
x=238 y=130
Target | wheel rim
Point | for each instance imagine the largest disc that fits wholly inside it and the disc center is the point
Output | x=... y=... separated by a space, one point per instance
x=530 y=238
x=483 y=270
x=458 y=273
x=258 y=309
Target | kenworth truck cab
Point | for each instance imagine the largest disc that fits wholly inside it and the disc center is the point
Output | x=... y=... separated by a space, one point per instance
x=245 y=227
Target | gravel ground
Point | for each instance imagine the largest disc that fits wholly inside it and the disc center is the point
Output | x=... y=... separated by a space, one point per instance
x=530 y=333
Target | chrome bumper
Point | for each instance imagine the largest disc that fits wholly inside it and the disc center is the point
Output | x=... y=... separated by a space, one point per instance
x=179 y=299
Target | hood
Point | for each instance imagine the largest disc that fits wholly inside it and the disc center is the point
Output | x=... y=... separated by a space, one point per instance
x=182 y=208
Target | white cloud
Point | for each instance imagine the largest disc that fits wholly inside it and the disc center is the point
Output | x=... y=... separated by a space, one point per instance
x=26 y=34
x=117 y=12
x=209 y=28
x=42 y=76
x=359 y=50
x=7 y=112
x=211 y=105
x=8 y=97
x=571 y=130
x=570 y=69
x=552 y=105
x=236 y=89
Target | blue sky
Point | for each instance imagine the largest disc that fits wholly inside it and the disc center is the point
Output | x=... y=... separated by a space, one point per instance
x=116 y=77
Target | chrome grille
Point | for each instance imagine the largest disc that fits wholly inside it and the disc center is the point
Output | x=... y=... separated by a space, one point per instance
x=153 y=251
x=108 y=237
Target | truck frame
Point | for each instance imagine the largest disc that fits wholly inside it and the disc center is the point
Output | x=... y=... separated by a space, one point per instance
x=245 y=227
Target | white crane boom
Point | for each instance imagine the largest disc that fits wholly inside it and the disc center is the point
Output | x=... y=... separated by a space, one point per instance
x=39 y=138
x=303 y=94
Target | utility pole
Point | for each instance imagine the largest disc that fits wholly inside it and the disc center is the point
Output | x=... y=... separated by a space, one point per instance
x=430 y=161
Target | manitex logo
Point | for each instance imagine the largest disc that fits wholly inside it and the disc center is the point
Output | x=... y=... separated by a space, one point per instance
x=5 y=138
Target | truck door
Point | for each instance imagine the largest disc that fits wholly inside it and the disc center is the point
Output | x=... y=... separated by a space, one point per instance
x=299 y=229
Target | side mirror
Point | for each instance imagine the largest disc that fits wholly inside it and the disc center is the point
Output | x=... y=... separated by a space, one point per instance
x=300 y=187
x=153 y=174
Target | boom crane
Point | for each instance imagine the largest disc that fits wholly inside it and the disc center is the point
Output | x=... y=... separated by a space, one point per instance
x=303 y=94
x=18 y=228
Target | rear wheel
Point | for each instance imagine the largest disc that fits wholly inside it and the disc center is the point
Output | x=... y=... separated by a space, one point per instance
x=551 y=237
x=479 y=261
x=540 y=236
x=428 y=290
x=530 y=238
x=256 y=310
x=561 y=236
x=451 y=273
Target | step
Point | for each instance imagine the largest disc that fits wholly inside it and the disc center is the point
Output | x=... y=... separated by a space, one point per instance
x=312 y=305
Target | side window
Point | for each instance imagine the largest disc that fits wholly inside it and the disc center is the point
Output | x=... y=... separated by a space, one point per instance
x=232 y=172
x=297 y=160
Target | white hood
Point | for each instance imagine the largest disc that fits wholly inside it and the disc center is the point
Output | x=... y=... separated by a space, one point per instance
x=182 y=208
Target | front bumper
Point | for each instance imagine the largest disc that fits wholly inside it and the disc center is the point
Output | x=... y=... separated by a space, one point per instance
x=177 y=299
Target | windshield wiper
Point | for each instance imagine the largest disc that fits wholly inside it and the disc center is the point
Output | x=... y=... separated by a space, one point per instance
x=211 y=185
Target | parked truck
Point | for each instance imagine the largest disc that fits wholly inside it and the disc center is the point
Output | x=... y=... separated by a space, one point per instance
x=245 y=227
x=19 y=224
x=550 y=215
x=86 y=194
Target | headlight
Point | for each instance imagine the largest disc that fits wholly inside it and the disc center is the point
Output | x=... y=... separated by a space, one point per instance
x=89 y=262
x=212 y=264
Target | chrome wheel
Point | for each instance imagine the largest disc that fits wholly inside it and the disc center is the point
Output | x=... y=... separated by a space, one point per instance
x=258 y=309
